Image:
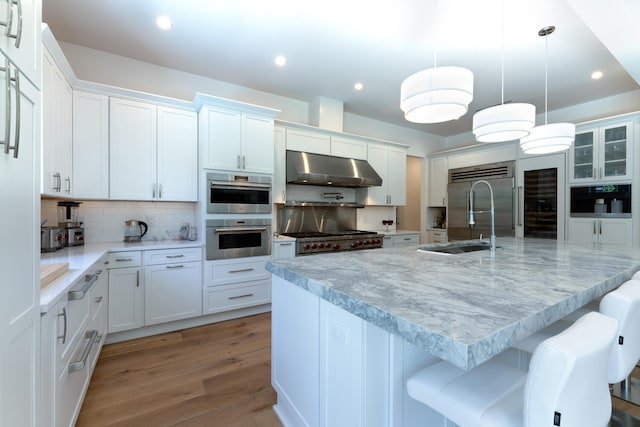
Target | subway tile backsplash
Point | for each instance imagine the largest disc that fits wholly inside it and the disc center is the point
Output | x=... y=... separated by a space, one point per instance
x=103 y=221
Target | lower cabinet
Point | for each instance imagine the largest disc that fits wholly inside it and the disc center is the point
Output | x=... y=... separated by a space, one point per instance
x=236 y=283
x=437 y=236
x=397 y=240
x=126 y=291
x=616 y=231
x=283 y=248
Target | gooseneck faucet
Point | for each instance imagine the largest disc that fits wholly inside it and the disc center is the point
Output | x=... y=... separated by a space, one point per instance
x=492 y=241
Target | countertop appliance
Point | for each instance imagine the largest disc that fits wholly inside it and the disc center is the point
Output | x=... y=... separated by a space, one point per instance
x=235 y=238
x=238 y=194
x=321 y=228
x=51 y=238
x=69 y=221
x=134 y=230
x=501 y=177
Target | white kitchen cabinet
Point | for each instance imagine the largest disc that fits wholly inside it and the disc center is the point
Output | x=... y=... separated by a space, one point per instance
x=153 y=152
x=613 y=231
x=602 y=153
x=436 y=236
x=236 y=140
x=308 y=141
x=350 y=148
x=283 y=248
x=21 y=42
x=279 y=194
x=390 y=162
x=126 y=291
x=438 y=180
x=19 y=255
x=236 y=283
x=406 y=239
x=90 y=145
x=173 y=284
x=57 y=102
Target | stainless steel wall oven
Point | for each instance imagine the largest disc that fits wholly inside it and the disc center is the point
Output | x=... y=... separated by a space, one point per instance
x=242 y=194
x=235 y=238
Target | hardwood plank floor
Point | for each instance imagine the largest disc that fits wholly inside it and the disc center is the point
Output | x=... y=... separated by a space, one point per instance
x=213 y=375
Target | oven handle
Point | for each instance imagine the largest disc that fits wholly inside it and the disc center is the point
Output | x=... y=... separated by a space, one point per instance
x=238 y=229
x=231 y=185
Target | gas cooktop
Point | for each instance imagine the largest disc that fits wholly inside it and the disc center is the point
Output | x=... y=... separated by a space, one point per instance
x=312 y=242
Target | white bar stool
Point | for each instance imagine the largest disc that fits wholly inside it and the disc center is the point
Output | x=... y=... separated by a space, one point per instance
x=566 y=384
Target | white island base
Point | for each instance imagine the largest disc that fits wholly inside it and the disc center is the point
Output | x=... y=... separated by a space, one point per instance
x=332 y=368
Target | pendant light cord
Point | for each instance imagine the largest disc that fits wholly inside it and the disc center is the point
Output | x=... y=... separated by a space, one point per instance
x=502 y=68
x=546 y=76
x=434 y=11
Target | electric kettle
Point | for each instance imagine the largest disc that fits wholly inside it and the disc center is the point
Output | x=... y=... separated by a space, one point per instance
x=134 y=230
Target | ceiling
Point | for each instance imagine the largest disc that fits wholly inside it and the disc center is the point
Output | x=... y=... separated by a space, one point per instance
x=332 y=44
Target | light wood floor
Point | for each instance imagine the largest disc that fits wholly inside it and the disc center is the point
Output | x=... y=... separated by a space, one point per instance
x=213 y=375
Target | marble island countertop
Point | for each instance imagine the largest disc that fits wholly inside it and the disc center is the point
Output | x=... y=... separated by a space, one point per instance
x=464 y=308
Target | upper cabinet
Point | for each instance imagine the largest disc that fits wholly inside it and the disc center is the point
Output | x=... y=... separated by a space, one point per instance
x=602 y=153
x=236 y=140
x=390 y=162
x=153 y=152
x=57 y=104
x=90 y=145
x=324 y=143
x=438 y=181
x=280 y=168
x=21 y=41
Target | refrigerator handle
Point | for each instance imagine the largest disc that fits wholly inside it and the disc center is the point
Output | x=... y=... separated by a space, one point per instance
x=467 y=209
x=519 y=207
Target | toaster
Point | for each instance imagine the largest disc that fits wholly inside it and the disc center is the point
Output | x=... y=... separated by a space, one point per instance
x=51 y=239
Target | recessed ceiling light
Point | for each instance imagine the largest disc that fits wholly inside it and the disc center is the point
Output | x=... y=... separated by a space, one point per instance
x=164 y=22
x=358 y=86
x=280 y=61
x=596 y=75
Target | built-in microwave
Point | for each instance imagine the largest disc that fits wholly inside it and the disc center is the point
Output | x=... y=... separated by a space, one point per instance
x=236 y=238
x=241 y=194
x=604 y=200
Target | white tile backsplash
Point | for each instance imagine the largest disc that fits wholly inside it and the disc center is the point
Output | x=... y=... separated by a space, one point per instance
x=103 y=221
x=370 y=218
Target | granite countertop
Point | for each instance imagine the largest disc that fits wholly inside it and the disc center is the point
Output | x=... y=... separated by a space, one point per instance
x=469 y=307
x=81 y=258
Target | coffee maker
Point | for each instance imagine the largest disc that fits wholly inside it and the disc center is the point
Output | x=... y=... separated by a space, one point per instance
x=68 y=220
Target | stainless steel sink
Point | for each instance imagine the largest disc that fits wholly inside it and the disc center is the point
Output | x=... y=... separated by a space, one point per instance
x=456 y=248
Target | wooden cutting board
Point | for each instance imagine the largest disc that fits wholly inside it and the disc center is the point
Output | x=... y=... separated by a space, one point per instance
x=50 y=272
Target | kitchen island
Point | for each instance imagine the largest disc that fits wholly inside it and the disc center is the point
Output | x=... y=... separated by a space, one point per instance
x=349 y=328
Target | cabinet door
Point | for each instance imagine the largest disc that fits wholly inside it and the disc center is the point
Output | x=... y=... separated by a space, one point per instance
x=177 y=155
x=583 y=230
x=582 y=156
x=286 y=249
x=223 y=138
x=172 y=292
x=377 y=157
x=257 y=136
x=26 y=20
x=280 y=166
x=348 y=147
x=19 y=260
x=615 y=231
x=397 y=176
x=615 y=154
x=90 y=145
x=132 y=156
x=309 y=142
x=438 y=181
x=126 y=303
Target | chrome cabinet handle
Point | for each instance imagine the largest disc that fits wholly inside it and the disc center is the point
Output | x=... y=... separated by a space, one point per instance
x=63 y=337
x=77 y=295
x=9 y=22
x=600 y=224
x=97 y=299
x=594 y=226
x=600 y=174
x=241 y=296
x=138 y=279
x=123 y=259
x=159 y=191
x=58 y=184
x=286 y=244
x=18 y=35
x=239 y=161
x=7 y=130
x=244 y=162
x=80 y=364
x=244 y=270
x=175 y=256
x=68 y=181
x=174 y=266
x=153 y=191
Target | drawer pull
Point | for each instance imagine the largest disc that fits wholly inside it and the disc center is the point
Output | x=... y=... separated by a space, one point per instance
x=407 y=238
x=77 y=295
x=244 y=270
x=286 y=244
x=175 y=266
x=98 y=299
x=80 y=364
x=241 y=296
x=175 y=256
x=63 y=337
x=123 y=259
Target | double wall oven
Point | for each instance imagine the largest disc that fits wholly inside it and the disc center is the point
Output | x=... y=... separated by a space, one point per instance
x=238 y=221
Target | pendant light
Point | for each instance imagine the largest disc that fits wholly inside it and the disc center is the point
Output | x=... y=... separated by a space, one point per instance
x=438 y=94
x=504 y=122
x=548 y=138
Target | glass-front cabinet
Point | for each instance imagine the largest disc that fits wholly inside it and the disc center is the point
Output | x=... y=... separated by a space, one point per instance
x=602 y=153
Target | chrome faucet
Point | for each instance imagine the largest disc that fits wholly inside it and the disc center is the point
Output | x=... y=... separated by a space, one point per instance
x=492 y=241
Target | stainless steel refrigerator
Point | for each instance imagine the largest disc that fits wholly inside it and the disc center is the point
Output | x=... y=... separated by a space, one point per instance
x=502 y=180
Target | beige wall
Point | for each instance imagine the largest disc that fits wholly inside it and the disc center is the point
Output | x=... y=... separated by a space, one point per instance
x=409 y=216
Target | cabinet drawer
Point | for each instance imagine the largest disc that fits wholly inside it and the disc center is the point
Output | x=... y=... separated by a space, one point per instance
x=166 y=256
x=225 y=272
x=232 y=297
x=406 y=239
x=124 y=259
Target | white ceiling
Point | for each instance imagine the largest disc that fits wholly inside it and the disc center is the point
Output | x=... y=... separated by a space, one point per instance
x=332 y=44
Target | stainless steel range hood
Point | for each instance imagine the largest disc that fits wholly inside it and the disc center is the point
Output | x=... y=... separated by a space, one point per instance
x=319 y=169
